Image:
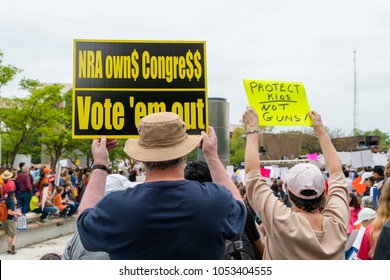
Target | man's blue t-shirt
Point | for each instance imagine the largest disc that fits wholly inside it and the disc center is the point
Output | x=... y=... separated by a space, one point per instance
x=163 y=220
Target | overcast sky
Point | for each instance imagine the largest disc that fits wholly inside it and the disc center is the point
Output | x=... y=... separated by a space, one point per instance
x=307 y=41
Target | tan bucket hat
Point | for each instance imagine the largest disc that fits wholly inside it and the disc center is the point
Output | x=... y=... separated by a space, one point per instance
x=163 y=137
x=6 y=175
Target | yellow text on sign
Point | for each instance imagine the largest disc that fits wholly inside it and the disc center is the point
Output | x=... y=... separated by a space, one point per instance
x=98 y=114
x=190 y=112
x=111 y=115
x=278 y=103
x=169 y=68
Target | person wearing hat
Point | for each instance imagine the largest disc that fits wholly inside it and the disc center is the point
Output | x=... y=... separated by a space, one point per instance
x=315 y=227
x=365 y=217
x=10 y=223
x=366 y=176
x=371 y=187
x=370 y=179
x=378 y=173
x=8 y=184
x=166 y=216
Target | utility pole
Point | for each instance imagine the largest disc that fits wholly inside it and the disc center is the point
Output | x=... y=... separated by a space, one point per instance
x=355 y=109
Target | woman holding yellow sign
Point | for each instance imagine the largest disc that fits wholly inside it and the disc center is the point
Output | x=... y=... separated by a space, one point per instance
x=315 y=227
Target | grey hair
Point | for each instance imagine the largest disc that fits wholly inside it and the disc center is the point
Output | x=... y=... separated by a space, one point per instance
x=367 y=202
x=162 y=165
x=25 y=168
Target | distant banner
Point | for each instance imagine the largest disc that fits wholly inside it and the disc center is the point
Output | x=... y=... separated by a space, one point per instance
x=379 y=159
x=116 y=83
x=313 y=156
x=361 y=159
x=278 y=103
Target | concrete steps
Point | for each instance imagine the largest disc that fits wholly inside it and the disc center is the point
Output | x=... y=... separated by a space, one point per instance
x=37 y=233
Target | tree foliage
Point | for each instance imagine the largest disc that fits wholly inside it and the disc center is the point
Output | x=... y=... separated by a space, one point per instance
x=237 y=146
x=385 y=137
x=62 y=143
x=7 y=72
x=27 y=118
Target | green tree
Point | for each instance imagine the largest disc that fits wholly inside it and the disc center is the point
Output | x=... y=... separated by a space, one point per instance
x=57 y=138
x=66 y=146
x=266 y=129
x=193 y=155
x=309 y=140
x=33 y=148
x=385 y=137
x=7 y=72
x=25 y=118
x=335 y=132
x=237 y=146
x=237 y=143
x=5 y=148
x=54 y=139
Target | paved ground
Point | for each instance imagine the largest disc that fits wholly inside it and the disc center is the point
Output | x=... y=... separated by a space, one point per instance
x=36 y=251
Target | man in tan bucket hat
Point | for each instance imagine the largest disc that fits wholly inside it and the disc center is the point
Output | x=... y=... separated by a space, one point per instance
x=166 y=217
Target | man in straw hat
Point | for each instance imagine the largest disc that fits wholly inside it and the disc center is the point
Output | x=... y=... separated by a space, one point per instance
x=316 y=226
x=166 y=217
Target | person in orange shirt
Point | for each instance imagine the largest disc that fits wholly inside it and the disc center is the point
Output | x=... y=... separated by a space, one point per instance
x=63 y=204
x=69 y=196
x=44 y=178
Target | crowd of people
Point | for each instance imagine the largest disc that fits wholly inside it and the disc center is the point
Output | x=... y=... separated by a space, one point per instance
x=196 y=210
x=369 y=213
x=33 y=189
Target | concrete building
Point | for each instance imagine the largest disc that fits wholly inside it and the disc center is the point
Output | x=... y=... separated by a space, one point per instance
x=354 y=143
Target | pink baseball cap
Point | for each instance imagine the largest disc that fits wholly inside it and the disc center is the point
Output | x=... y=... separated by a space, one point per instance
x=305 y=176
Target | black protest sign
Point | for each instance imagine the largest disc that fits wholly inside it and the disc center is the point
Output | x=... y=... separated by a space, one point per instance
x=119 y=82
